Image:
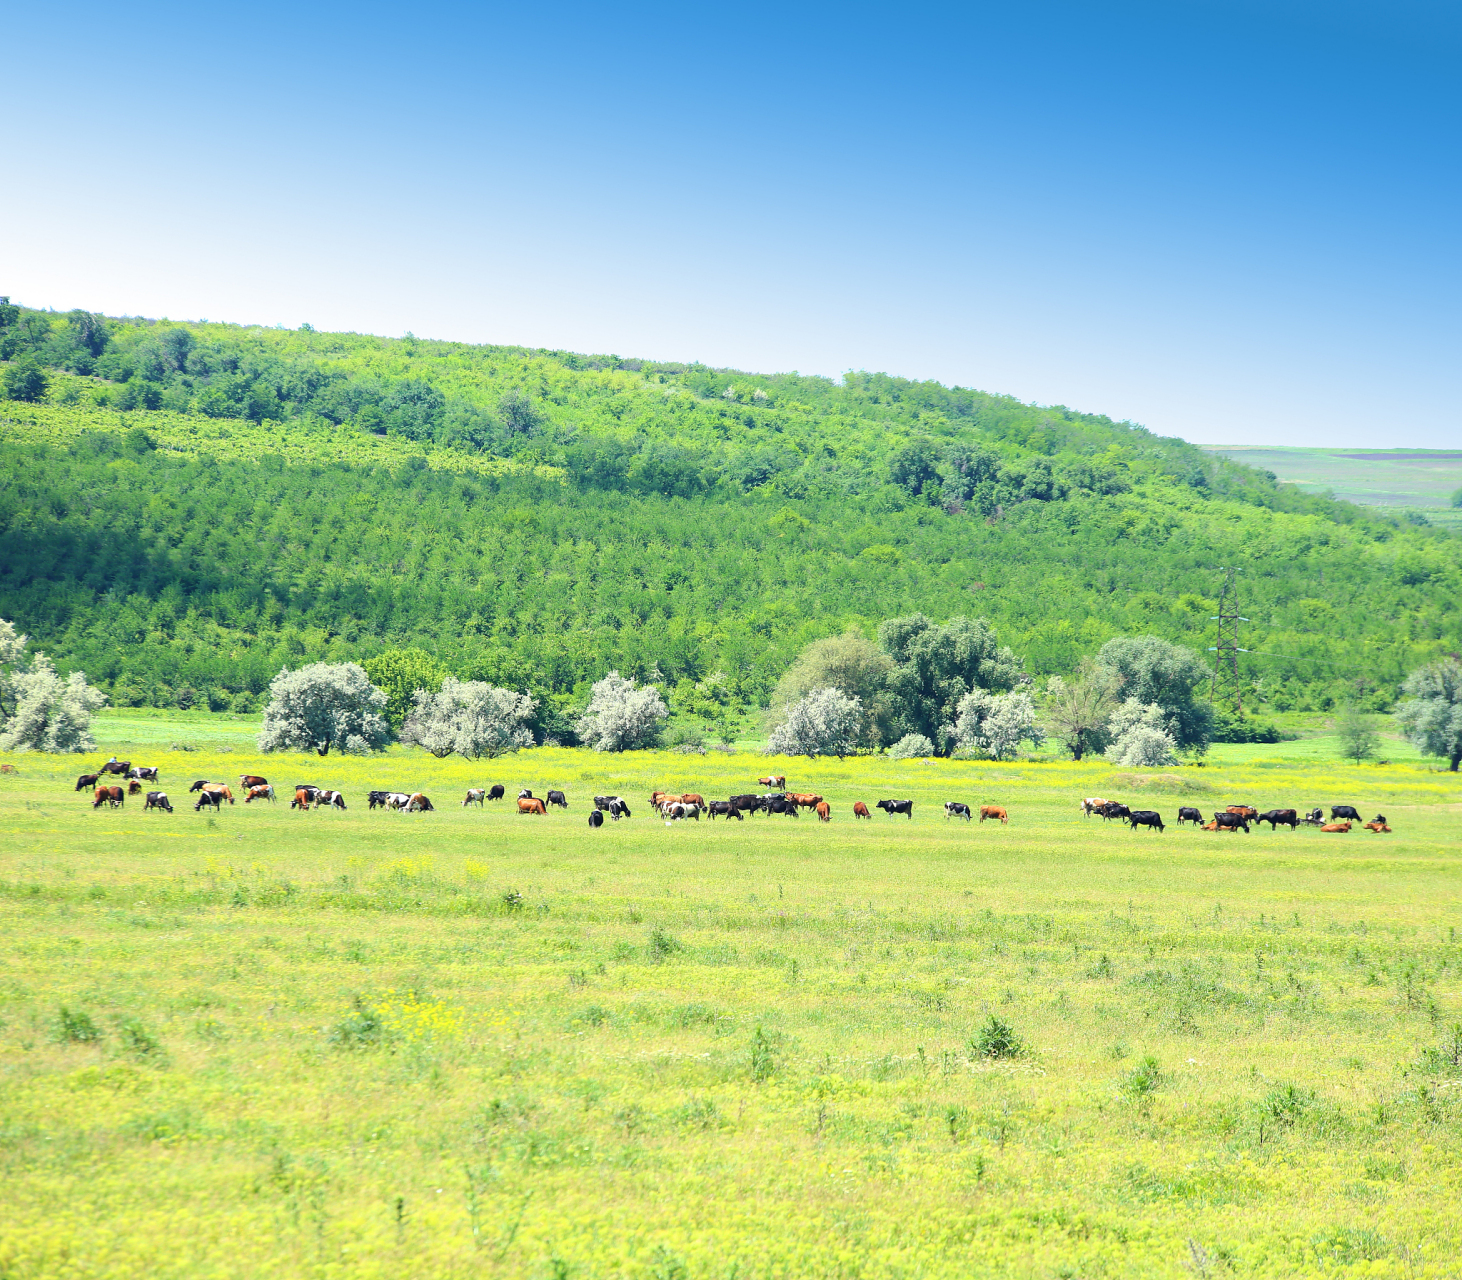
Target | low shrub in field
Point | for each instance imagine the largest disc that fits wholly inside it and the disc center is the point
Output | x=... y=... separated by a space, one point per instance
x=662 y=945
x=1143 y=1080
x=136 y=1038
x=361 y=1028
x=1286 y=1104
x=74 y=1026
x=996 y=1039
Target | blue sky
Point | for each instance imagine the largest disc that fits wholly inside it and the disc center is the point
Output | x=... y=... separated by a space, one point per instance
x=1233 y=222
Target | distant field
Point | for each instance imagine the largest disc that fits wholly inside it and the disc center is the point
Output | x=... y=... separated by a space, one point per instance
x=468 y=1043
x=1396 y=479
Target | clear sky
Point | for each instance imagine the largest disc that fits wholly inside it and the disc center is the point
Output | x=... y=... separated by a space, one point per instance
x=1234 y=222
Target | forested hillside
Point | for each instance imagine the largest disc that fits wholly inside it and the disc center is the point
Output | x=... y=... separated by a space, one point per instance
x=187 y=507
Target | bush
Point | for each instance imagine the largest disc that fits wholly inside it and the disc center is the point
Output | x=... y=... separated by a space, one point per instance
x=997 y=1039
x=324 y=705
x=1143 y=1079
x=471 y=718
x=74 y=1026
x=824 y=723
x=620 y=716
x=136 y=1038
x=361 y=1028
x=26 y=381
x=912 y=746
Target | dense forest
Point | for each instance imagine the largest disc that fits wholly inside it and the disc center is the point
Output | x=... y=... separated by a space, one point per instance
x=185 y=508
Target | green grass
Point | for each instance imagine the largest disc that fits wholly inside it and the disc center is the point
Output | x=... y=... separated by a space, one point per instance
x=475 y=1044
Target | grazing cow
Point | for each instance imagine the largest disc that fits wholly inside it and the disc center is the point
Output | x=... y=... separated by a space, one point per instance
x=780 y=804
x=1339 y=811
x=143 y=773
x=265 y=792
x=198 y=786
x=247 y=780
x=596 y=817
x=692 y=797
x=1145 y=818
x=807 y=799
x=619 y=809
x=674 y=809
x=1314 y=818
x=1232 y=822
x=954 y=809
x=210 y=799
x=309 y=787
x=157 y=800
x=1336 y=826
x=1092 y=804
x=525 y=794
x=824 y=811
x=377 y=799
x=133 y=787
x=892 y=807
x=860 y=810
x=993 y=811
x=103 y=795
x=745 y=804
x=86 y=780
x=1277 y=818
x=330 y=799
x=1245 y=811
x=418 y=803
x=496 y=792
x=301 y=798
x=1378 y=826
x=397 y=801
x=778 y=781
x=602 y=802
x=1189 y=814
x=475 y=795
x=527 y=804
x=558 y=798
x=8 y=768
x=725 y=809
x=1113 y=809
x=117 y=766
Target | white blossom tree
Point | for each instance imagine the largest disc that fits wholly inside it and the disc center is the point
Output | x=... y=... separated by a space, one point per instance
x=621 y=716
x=997 y=722
x=324 y=705
x=1431 y=714
x=471 y=718
x=824 y=723
x=1141 y=736
x=912 y=746
x=39 y=711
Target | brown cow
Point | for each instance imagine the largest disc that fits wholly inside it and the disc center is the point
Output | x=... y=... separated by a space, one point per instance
x=779 y=781
x=1245 y=811
x=530 y=805
x=860 y=810
x=993 y=811
x=804 y=798
x=111 y=796
x=248 y=780
x=133 y=787
x=657 y=798
x=86 y=780
x=1377 y=826
x=261 y=791
x=1336 y=826
x=301 y=799
x=690 y=797
x=220 y=792
x=417 y=804
x=1213 y=826
x=824 y=811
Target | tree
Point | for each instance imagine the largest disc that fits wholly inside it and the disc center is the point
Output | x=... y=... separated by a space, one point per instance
x=824 y=723
x=851 y=664
x=934 y=667
x=914 y=466
x=912 y=746
x=620 y=716
x=1357 y=732
x=1430 y=714
x=324 y=705
x=39 y=711
x=997 y=722
x=25 y=380
x=1078 y=709
x=519 y=414
x=400 y=673
x=471 y=718
x=1141 y=736
x=1156 y=671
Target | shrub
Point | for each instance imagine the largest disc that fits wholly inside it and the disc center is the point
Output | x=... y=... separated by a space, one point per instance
x=663 y=945
x=763 y=1056
x=361 y=1028
x=136 y=1038
x=1286 y=1104
x=1140 y=737
x=997 y=1039
x=471 y=718
x=324 y=705
x=824 y=723
x=912 y=746
x=1143 y=1079
x=621 y=716
x=74 y=1026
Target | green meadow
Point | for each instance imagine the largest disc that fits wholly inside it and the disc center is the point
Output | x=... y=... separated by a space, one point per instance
x=472 y=1043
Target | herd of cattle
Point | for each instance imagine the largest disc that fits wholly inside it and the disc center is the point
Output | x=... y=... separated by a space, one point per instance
x=678 y=806
x=1236 y=817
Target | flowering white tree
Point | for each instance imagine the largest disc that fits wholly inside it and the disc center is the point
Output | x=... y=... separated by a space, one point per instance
x=997 y=722
x=1141 y=737
x=38 y=710
x=324 y=705
x=621 y=716
x=912 y=746
x=1431 y=715
x=470 y=717
x=824 y=723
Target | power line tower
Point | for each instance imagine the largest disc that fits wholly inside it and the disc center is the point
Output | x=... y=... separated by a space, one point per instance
x=1226 y=651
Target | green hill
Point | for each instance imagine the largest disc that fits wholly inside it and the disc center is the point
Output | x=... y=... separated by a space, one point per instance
x=188 y=507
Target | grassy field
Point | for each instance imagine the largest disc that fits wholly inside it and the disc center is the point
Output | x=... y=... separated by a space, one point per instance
x=1397 y=480
x=469 y=1043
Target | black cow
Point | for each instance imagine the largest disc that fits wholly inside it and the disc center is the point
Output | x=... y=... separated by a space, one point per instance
x=602 y=802
x=596 y=818
x=745 y=804
x=558 y=798
x=725 y=809
x=1189 y=814
x=87 y=781
x=1379 y=819
x=1145 y=818
x=525 y=794
x=495 y=792
x=198 y=786
x=619 y=809
x=1235 y=820
x=1277 y=818
x=377 y=799
x=117 y=766
x=891 y=807
x=1112 y=810
x=954 y=809
x=214 y=798
x=1340 y=811
x=780 y=804
x=157 y=800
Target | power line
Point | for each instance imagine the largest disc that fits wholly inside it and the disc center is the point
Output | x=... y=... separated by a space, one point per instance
x=1227 y=650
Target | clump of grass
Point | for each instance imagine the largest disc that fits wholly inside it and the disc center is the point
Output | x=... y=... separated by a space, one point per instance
x=1143 y=1080
x=74 y=1026
x=512 y=900
x=361 y=1028
x=698 y=1113
x=763 y=1055
x=663 y=945
x=136 y=1038
x=593 y=1015
x=1286 y=1104
x=997 y=1039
